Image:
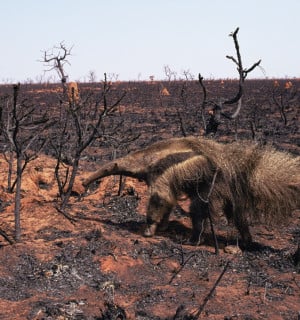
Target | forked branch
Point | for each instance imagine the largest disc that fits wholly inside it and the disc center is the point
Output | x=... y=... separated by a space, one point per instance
x=57 y=61
x=243 y=73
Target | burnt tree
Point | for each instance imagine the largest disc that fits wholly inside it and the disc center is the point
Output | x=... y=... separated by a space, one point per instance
x=22 y=126
x=80 y=122
x=217 y=111
x=56 y=59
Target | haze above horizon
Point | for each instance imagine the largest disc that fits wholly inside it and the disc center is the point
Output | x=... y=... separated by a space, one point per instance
x=135 y=39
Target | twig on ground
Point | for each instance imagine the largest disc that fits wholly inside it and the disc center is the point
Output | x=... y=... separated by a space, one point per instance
x=5 y=236
x=182 y=266
x=66 y=215
x=210 y=294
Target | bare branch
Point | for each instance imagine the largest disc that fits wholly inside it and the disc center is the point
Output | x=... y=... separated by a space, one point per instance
x=78 y=126
x=22 y=129
x=204 y=102
x=200 y=79
x=256 y=64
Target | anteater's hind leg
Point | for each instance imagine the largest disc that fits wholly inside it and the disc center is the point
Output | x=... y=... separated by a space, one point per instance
x=236 y=213
x=199 y=214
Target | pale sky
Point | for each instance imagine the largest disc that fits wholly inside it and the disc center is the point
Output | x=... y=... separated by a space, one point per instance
x=134 y=39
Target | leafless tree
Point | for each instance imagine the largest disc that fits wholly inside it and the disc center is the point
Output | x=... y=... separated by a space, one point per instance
x=218 y=107
x=283 y=98
x=112 y=77
x=79 y=124
x=169 y=73
x=217 y=112
x=22 y=129
x=92 y=76
x=188 y=75
x=56 y=59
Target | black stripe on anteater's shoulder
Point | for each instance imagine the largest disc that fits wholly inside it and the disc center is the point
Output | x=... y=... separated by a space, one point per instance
x=159 y=167
x=146 y=163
